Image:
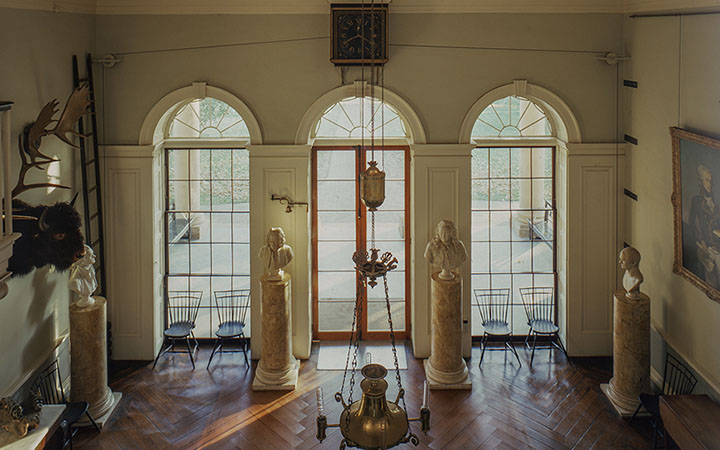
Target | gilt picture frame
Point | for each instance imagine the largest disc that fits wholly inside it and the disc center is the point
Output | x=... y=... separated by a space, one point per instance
x=696 y=209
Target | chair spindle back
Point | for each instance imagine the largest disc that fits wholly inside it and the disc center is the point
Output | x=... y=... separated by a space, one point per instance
x=232 y=305
x=50 y=386
x=539 y=303
x=493 y=304
x=183 y=306
x=677 y=380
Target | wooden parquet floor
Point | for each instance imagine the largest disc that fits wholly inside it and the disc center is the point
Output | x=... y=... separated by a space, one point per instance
x=552 y=406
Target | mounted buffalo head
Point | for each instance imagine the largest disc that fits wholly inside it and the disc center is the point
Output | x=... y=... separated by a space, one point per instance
x=50 y=235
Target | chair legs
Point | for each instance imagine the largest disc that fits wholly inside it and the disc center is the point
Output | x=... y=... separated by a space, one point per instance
x=218 y=348
x=87 y=413
x=507 y=344
x=634 y=414
x=483 y=344
x=171 y=349
x=532 y=354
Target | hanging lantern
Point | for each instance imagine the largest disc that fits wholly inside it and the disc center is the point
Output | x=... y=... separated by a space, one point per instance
x=372 y=186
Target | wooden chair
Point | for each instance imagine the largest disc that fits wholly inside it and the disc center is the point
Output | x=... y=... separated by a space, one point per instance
x=182 y=310
x=50 y=386
x=677 y=380
x=232 y=307
x=493 y=305
x=539 y=303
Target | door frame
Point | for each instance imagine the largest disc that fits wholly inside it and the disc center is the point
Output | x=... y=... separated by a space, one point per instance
x=360 y=242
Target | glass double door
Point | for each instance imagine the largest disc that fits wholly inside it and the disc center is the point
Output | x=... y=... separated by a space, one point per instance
x=342 y=225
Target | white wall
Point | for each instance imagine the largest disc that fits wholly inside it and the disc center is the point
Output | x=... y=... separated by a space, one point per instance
x=280 y=81
x=676 y=62
x=36 y=52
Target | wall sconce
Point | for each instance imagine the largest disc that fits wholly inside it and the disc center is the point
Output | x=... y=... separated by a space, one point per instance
x=285 y=200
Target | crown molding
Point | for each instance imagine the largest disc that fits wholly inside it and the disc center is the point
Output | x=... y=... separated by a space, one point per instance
x=188 y=7
x=64 y=6
x=656 y=6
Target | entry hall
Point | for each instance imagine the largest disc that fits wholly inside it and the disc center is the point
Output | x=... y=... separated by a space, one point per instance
x=402 y=224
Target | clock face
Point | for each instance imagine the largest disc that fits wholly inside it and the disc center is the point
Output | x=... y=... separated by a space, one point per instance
x=359 y=38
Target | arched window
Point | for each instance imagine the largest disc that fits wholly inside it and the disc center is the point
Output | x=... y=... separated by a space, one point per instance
x=353 y=118
x=207 y=209
x=513 y=205
x=207 y=118
x=512 y=117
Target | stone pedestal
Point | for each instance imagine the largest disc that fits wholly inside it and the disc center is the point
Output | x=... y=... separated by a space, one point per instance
x=446 y=368
x=88 y=361
x=278 y=369
x=631 y=353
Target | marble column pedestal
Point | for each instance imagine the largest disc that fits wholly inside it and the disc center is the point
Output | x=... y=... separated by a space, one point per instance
x=88 y=361
x=631 y=353
x=278 y=369
x=446 y=368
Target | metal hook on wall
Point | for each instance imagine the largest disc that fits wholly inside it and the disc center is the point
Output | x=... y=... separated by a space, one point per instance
x=285 y=200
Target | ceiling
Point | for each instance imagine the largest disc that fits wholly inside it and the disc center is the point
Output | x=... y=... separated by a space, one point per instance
x=396 y=6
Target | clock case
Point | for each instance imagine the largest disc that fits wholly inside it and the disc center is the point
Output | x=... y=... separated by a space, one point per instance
x=345 y=19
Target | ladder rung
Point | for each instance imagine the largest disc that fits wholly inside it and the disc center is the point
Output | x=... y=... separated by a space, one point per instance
x=80 y=80
x=92 y=189
x=93 y=216
x=90 y=162
x=95 y=242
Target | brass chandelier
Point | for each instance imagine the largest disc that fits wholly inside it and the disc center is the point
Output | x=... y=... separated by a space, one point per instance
x=372 y=422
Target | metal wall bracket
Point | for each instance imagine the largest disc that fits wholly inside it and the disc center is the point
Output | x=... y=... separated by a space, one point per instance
x=285 y=200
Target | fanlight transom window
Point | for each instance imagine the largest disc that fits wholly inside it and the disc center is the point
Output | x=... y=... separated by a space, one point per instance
x=207 y=118
x=355 y=117
x=512 y=117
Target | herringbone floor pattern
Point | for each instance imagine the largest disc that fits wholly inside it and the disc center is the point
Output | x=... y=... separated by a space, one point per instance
x=552 y=406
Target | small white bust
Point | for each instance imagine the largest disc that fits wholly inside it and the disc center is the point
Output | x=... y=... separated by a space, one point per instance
x=82 y=278
x=275 y=254
x=630 y=263
x=445 y=250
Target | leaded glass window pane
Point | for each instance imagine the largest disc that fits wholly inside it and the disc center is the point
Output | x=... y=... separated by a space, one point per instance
x=512 y=117
x=357 y=117
x=207 y=118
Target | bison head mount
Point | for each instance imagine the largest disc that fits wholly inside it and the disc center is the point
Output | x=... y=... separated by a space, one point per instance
x=51 y=234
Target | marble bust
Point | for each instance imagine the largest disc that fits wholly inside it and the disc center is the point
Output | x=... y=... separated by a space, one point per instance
x=445 y=250
x=630 y=262
x=275 y=254
x=82 y=278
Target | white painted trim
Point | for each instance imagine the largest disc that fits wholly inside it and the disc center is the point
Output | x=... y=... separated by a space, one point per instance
x=158 y=114
x=316 y=110
x=698 y=368
x=597 y=149
x=441 y=150
x=126 y=151
x=558 y=112
x=317 y=142
x=517 y=142
x=64 y=6
x=279 y=151
x=204 y=143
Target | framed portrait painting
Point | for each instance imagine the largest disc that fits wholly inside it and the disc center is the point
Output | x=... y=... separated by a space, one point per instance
x=696 y=205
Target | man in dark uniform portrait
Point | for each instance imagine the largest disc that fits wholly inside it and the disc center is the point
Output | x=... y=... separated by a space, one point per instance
x=705 y=224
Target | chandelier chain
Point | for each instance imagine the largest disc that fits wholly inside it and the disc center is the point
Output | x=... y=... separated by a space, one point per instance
x=392 y=341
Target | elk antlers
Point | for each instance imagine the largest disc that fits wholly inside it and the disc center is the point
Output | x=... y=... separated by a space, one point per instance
x=77 y=105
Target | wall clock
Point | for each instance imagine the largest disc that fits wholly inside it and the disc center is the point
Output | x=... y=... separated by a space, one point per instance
x=355 y=29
